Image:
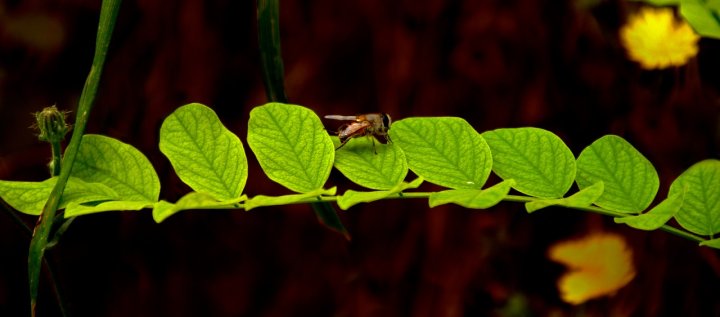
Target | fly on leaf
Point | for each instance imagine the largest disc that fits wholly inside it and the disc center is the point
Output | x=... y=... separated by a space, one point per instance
x=371 y=125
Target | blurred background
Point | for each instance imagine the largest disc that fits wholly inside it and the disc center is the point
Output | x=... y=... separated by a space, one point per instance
x=555 y=64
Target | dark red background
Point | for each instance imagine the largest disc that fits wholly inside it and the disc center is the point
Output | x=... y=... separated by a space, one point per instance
x=550 y=64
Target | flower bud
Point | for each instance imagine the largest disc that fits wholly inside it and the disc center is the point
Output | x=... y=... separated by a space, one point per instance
x=51 y=123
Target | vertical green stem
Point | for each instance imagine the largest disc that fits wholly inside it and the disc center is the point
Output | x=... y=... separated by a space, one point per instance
x=268 y=15
x=38 y=244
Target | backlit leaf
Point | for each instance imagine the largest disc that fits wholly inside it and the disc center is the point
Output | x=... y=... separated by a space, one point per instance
x=630 y=180
x=194 y=200
x=700 y=212
x=30 y=197
x=205 y=155
x=538 y=160
x=117 y=165
x=656 y=217
x=351 y=197
x=381 y=171
x=446 y=151
x=584 y=198
x=291 y=145
x=472 y=198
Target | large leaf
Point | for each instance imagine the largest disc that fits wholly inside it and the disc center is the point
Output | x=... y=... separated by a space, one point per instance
x=291 y=146
x=30 y=197
x=538 y=160
x=700 y=211
x=630 y=180
x=117 y=165
x=446 y=151
x=205 y=155
x=381 y=171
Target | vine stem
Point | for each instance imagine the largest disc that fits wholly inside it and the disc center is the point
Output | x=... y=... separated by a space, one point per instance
x=38 y=243
x=510 y=198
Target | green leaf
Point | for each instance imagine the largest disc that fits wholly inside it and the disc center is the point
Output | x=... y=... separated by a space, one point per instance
x=381 y=171
x=703 y=16
x=30 y=197
x=538 y=160
x=351 y=197
x=713 y=243
x=700 y=212
x=328 y=217
x=262 y=200
x=194 y=200
x=584 y=198
x=205 y=155
x=74 y=209
x=446 y=151
x=473 y=198
x=291 y=146
x=658 y=216
x=630 y=180
x=118 y=165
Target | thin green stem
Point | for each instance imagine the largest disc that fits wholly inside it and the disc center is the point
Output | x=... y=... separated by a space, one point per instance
x=108 y=15
x=56 y=162
x=511 y=198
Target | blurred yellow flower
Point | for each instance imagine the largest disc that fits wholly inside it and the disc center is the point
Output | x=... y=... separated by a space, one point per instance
x=656 y=39
x=599 y=265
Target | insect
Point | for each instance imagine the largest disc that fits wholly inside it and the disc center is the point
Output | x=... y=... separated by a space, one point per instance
x=371 y=125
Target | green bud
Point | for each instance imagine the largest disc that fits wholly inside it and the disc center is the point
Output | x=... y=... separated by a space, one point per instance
x=51 y=123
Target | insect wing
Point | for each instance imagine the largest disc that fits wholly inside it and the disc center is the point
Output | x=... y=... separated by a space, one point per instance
x=339 y=117
x=353 y=129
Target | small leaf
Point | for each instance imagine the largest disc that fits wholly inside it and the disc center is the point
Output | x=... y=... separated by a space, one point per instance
x=656 y=217
x=713 y=243
x=351 y=198
x=328 y=217
x=30 y=197
x=473 y=198
x=74 y=210
x=381 y=171
x=538 y=160
x=700 y=212
x=446 y=151
x=631 y=181
x=291 y=146
x=118 y=165
x=194 y=200
x=205 y=154
x=262 y=200
x=584 y=198
x=703 y=16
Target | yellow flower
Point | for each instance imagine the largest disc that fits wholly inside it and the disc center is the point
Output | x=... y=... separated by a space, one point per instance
x=656 y=39
x=598 y=264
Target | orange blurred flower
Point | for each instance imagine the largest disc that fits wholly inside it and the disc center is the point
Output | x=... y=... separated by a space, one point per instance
x=656 y=39
x=599 y=265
